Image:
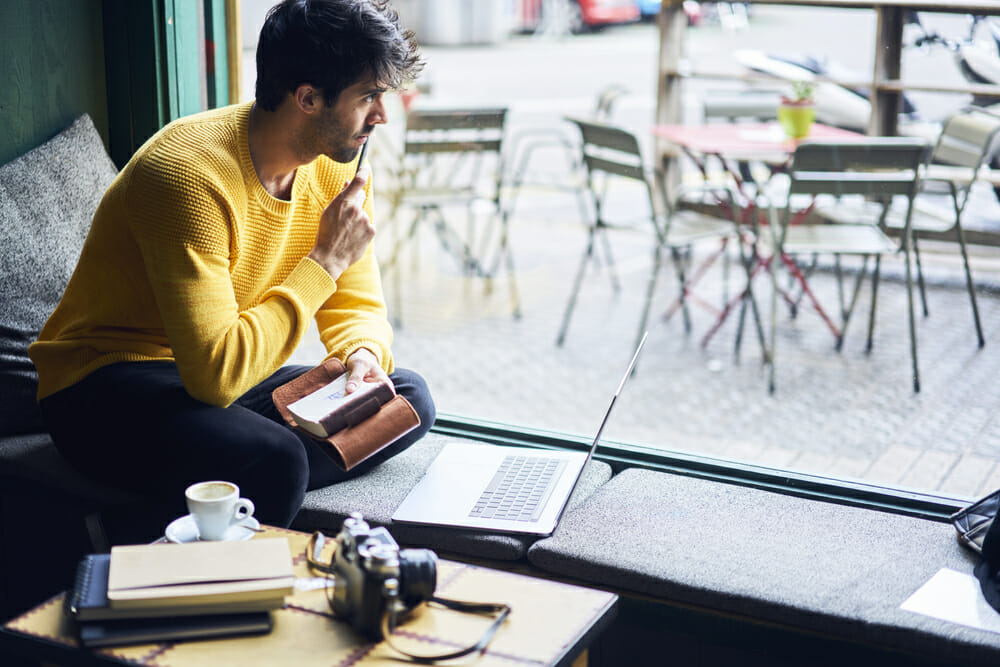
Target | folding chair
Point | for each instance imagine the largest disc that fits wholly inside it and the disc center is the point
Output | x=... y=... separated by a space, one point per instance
x=534 y=141
x=453 y=159
x=963 y=147
x=879 y=168
x=611 y=152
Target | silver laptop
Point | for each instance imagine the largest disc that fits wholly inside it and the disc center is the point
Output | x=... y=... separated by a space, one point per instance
x=500 y=489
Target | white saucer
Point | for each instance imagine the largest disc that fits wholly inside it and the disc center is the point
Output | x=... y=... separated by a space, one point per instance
x=184 y=530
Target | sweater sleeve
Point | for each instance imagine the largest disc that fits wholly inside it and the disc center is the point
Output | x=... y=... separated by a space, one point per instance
x=185 y=240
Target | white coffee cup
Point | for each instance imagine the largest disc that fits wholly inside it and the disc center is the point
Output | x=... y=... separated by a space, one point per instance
x=216 y=506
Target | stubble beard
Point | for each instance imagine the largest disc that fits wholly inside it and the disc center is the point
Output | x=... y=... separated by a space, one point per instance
x=331 y=138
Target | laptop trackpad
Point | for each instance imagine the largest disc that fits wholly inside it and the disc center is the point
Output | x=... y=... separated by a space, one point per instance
x=451 y=485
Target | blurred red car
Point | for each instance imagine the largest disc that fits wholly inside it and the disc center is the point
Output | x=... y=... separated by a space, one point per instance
x=583 y=15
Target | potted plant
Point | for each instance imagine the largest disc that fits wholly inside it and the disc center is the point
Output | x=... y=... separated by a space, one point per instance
x=797 y=112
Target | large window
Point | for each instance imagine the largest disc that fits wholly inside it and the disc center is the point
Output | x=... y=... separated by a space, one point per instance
x=849 y=415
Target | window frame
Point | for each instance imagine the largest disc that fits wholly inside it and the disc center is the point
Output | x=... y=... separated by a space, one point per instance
x=164 y=59
x=149 y=54
x=621 y=455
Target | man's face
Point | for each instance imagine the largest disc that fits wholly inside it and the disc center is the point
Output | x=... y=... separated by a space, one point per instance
x=342 y=128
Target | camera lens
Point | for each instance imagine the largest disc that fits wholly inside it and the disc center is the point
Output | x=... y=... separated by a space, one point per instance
x=417 y=575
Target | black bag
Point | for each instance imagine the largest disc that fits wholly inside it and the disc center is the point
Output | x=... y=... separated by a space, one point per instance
x=974 y=521
x=978 y=530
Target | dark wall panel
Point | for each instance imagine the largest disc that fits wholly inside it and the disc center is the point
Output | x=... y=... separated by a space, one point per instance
x=51 y=70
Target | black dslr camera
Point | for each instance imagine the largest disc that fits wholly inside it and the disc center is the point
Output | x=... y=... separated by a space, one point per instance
x=373 y=577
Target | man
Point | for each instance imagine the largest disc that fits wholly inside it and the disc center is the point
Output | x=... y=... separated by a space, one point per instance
x=223 y=237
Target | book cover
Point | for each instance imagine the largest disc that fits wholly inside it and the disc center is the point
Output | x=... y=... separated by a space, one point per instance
x=330 y=408
x=371 y=424
x=122 y=632
x=163 y=575
x=88 y=600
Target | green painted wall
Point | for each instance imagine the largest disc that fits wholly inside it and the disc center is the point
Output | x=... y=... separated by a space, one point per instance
x=51 y=70
x=133 y=65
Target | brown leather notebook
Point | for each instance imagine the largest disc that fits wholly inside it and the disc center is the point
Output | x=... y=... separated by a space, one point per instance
x=365 y=428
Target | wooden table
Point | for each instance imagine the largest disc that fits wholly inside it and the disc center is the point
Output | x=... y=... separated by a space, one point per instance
x=550 y=624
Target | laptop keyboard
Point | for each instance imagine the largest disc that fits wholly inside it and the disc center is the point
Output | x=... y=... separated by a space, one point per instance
x=519 y=488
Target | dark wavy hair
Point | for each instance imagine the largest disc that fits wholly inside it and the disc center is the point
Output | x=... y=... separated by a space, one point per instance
x=331 y=44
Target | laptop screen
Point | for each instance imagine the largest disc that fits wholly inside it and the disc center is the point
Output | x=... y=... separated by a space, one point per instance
x=607 y=415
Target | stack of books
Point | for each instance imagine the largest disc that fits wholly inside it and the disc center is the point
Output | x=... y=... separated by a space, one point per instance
x=158 y=592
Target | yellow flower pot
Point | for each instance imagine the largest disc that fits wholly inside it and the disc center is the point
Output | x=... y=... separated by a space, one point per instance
x=796 y=118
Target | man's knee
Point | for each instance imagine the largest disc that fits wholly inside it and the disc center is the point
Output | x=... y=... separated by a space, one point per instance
x=413 y=387
x=275 y=476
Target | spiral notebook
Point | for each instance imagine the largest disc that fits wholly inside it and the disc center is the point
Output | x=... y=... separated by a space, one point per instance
x=501 y=489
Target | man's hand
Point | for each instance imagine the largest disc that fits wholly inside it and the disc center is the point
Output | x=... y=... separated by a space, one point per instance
x=345 y=230
x=364 y=367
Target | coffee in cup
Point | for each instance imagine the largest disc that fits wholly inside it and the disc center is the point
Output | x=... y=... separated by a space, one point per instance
x=216 y=506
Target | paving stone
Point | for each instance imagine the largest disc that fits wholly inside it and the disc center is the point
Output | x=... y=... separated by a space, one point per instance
x=930 y=470
x=967 y=476
x=848 y=467
x=991 y=482
x=743 y=451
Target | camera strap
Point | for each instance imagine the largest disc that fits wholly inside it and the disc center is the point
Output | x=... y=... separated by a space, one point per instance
x=394 y=611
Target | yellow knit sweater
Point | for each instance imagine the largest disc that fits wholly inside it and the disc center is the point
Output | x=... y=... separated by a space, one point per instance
x=189 y=259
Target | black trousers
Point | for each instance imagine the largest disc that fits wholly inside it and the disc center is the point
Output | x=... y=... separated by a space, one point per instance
x=133 y=426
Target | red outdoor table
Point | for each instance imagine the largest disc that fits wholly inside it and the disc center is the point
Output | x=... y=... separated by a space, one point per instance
x=731 y=144
x=762 y=142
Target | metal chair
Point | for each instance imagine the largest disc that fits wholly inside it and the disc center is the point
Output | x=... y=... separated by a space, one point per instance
x=454 y=159
x=610 y=152
x=962 y=149
x=882 y=169
x=531 y=142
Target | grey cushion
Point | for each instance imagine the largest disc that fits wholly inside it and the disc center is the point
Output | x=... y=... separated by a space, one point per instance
x=379 y=492
x=809 y=564
x=47 y=199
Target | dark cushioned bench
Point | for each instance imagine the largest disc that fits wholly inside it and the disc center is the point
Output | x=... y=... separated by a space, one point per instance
x=804 y=564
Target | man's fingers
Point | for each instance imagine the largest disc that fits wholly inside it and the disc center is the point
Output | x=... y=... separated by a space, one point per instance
x=363 y=173
x=361 y=177
x=355 y=379
x=355 y=188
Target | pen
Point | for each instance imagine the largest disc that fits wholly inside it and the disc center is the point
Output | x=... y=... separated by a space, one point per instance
x=361 y=158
